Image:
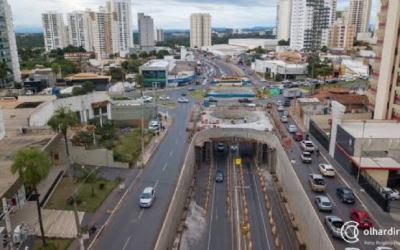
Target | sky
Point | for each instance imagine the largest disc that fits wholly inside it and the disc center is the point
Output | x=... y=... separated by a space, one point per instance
x=167 y=14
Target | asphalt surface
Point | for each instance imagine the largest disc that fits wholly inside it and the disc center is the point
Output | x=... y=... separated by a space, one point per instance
x=339 y=209
x=219 y=231
x=136 y=228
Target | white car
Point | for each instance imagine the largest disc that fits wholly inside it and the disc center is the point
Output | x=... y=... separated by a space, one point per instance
x=307 y=145
x=281 y=108
x=154 y=125
x=284 y=119
x=306 y=157
x=164 y=98
x=147 y=197
x=326 y=170
x=146 y=98
x=183 y=100
x=392 y=193
x=292 y=128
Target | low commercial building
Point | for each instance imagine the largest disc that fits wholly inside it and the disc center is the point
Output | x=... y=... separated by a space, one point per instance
x=38 y=79
x=252 y=43
x=304 y=108
x=353 y=103
x=168 y=73
x=101 y=82
x=272 y=68
x=358 y=68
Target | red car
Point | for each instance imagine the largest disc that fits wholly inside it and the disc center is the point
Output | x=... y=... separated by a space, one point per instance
x=361 y=217
x=298 y=136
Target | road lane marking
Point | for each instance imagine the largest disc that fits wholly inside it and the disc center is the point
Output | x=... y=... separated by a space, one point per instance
x=155 y=185
x=171 y=153
x=126 y=243
x=261 y=211
x=139 y=216
x=165 y=166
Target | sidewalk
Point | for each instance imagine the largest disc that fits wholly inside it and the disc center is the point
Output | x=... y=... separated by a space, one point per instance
x=102 y=216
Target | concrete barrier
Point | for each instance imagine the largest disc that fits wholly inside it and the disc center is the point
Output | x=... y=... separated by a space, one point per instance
x=95 y=157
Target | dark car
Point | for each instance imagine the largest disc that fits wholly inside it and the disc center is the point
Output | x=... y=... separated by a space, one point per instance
x=212 y=99
x=183 y=94
x=219 y=176
x=346 y=195
x=245 y=100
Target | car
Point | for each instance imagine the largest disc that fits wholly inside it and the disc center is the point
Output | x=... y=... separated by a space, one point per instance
x=219 y=176
x=183 y=94
x=154 y=125
x=221 y=147
x=326 y=170
x=292 y=128
x=190 y=89
x=164 y=98
x=307 y=145
x=334 y=225
x=298 y=136
x=147 y=197
x=361 y=217
x=391 y=194
x=281 y=108
x=245 y=100
x=234 y=148
x=284 y=119
x=317 y=182
x=183 y=100
x=146 y=98
x=279 y=103
x=212 y=99
x=306 y=157
x=345 y=195
x=323 y=203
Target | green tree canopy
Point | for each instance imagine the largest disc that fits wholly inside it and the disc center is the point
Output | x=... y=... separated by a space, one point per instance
x=283 y=43
x=117 y=74
x=162 y=53
x=63 y=119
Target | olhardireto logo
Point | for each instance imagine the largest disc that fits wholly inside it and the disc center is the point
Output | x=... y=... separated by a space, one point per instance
x=350 y=232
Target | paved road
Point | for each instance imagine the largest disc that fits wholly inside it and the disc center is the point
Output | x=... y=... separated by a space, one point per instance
x=339 y=209
x=219 y=232
x=261 y=234
x=136 y=228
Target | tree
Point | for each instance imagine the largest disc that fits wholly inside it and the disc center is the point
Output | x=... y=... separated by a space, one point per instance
x=283 y=43
x=4 y=70
x=87 y=86
x=133 y=56
x=324 y=49
x=61 y=121
x=55 y=68
x=117 y=74
x=313 y=61
x=324 y=71
x=144 y=54
x=89 y=177
x=32 y=166
x=140 y=82
x=162 y=53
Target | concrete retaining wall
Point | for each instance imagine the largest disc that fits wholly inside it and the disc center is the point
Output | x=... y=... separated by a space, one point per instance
x=310 y=226
x=95 y=157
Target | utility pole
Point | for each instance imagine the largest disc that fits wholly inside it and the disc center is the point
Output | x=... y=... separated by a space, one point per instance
x=8 y=223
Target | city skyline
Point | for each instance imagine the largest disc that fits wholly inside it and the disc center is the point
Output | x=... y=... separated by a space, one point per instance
x=225 y=13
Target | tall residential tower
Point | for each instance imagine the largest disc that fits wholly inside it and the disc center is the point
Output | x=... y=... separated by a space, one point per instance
x=146 y=31
x=200 y=30
x=358 y=14
x=384 y=85
x=79 y=31
x=283 y=15
x=123 y=11
x=54 y=31
x=310 y=22
x=8 y=45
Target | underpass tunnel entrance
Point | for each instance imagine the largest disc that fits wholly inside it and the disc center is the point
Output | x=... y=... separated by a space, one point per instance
x=264 y=155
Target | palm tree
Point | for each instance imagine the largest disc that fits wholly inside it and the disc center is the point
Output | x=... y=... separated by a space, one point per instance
x=61 y=121
x=4 y=70
x=89 y=177
x=33 y=166
x=140 y=81
x=56 y=69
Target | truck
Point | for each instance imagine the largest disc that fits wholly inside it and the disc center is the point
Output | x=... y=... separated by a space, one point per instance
x=291 y=93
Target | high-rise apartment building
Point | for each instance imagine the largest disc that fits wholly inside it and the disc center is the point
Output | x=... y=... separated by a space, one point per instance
x=341 y=35
x=200 y=30
x=79 y=31
x=310 y=22
x=146 y=31
x=283 y=15
x=123 y=11
x=160 y=35
x=54 y=31
x=104 y=29
x=8 y=45
x=358 y=14
x=384 y=84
